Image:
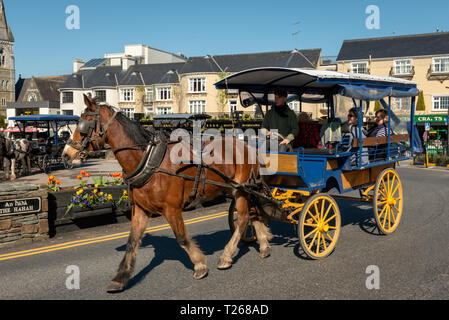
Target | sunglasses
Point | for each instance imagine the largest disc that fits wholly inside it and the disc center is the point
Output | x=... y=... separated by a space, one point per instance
x=351 y=116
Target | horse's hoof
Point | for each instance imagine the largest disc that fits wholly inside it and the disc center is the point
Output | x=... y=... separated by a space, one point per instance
x=224 y=265
x=200 y=273
x=265 y=253
x=115 y=287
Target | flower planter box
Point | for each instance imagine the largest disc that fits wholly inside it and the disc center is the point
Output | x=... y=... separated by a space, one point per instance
x=59 y=201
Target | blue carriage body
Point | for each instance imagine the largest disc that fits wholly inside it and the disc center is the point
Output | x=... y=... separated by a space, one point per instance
x=320 y=170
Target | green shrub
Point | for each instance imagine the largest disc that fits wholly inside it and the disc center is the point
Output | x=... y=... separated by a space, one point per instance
x=421 y=104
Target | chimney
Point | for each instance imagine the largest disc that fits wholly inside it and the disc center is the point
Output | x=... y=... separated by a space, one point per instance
x=127 y=61
x=77 y=65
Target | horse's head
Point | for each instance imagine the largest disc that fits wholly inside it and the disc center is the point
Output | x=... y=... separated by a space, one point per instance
x=90 y=134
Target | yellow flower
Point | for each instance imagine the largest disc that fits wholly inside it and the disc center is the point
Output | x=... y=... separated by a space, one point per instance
x=101 y=194
x=109 y=196
x=96 y=186
x=81 y=191
x=95 y=191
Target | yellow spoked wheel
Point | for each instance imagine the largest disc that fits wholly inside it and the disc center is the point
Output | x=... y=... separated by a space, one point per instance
x=249 y=235
x=388 y=201
x=319 y=226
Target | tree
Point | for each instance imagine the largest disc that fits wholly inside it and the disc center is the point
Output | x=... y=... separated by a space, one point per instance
x=377 y=107
x=421 y=104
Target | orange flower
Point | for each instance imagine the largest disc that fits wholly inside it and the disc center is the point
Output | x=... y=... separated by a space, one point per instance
x=48 y=183
x=51 y=178
x=58 y=182
x=83 y=173
x=79 y=177
x=121 y=176
x=88 y=175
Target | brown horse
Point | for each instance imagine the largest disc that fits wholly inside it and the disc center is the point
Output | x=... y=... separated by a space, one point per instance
x=166 y=194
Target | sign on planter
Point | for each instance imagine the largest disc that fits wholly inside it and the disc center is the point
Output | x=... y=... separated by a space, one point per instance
x=20 y=206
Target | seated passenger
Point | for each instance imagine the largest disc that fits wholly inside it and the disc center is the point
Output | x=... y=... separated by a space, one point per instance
x=381 y=129
x=330 y=134
x=353 y=133
x=281 y=118
x=309 y=133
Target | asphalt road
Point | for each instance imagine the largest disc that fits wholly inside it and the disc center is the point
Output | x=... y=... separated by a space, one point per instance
x=413 y=263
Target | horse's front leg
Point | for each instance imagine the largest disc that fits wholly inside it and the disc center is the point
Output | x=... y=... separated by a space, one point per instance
x=126 y=268
x=174 y=218
x=13 y=169
x=242 y=223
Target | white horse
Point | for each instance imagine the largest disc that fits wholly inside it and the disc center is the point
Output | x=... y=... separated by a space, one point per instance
x=13 y=150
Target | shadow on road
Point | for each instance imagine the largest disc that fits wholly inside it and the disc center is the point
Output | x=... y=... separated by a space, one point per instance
x=284 y=234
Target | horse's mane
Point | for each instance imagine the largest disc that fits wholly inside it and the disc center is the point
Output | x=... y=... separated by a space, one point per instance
x=133 y=129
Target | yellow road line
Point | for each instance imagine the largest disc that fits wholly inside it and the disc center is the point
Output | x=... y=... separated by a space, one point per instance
x=84 y=242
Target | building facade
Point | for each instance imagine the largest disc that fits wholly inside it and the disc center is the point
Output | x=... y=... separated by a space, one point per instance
x=7 y=63
x=421 y=58
x=179 y=87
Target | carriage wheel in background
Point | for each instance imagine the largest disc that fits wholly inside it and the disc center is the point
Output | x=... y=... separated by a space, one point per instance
x=45 y=164
x=319 y=226
x=249 y=235
x=388 y=201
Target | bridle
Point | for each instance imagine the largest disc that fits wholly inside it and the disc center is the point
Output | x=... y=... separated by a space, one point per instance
x=88 y=132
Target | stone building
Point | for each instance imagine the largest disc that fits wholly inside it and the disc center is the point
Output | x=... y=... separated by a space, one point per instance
x=421 y=58
x=7 y=65
x=37 y=96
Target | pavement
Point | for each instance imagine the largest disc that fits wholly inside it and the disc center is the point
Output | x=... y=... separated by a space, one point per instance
x=68 y=178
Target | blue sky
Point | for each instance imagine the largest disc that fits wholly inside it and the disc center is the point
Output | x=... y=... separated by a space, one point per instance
x=44 y=46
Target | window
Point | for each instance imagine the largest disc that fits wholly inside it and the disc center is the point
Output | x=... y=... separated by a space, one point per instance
x=232 y=106
x=163 y=110
x=3 y=102
x=197 y=106
x=401 y=104
x=148 y=112
x=126 y=95
x=197 y=85
x=294 y=105
x=163 y=93
x=101 y=95
x=67 y=112
x=440 y=65
x=129 y=112
x=67 y=97
x=440 y=103
x=403 y=67
x=32 y=97
x=149 y=98
x=359 y=67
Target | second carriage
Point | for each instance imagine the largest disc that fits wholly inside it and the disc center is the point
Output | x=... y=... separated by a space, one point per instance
x=305 y=182
x=48 y=139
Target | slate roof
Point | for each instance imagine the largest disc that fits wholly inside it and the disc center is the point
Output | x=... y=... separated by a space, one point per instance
x=165 y=73
x=115 y=76
x=48 y=87
x=240 y=62
x=395 y=47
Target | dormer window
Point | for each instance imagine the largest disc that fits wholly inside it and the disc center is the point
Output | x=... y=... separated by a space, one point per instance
x=402 y=67
x=441 y=65
x=359 y=67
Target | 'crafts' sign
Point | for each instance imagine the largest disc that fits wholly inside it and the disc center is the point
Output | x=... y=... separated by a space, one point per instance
x=20 y=206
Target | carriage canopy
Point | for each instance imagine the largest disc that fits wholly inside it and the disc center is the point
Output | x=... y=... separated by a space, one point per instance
x=319 y=82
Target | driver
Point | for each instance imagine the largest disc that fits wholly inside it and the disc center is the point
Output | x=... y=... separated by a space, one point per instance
x=283 y=119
